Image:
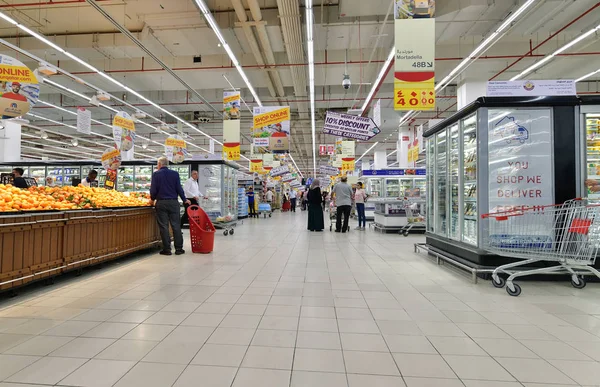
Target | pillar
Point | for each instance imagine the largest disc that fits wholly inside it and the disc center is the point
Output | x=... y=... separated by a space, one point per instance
x=10 y=141
x=404 y=139
x=468 y=91
x=380 y=159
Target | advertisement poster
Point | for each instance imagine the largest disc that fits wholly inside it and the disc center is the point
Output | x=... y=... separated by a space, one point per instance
x=268 y=161
x=19 y=88
x=84 y=121
x=175 y=149
x=322 y=150
x=520 y=159
x=330 y=150
x=414 y=68
x=349 y=126
x=111 y=161
x=272 y=123
x=537 y=88
x=256 y=166
x=231 y=139
x=280 y=171
x=329 y=170
x=231 y=125
x=124 y=131
x=414 y=9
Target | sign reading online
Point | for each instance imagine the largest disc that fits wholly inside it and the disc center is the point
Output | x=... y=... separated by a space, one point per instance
x=349 y=126
x=520 y=159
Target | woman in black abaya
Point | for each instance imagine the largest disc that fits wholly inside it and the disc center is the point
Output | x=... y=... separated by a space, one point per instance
x=315 y=208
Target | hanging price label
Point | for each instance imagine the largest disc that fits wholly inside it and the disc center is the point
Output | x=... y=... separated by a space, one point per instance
x=419 y=96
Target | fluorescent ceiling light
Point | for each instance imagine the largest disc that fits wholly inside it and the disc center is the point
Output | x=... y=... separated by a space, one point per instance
x=379 y=78
x=311 y=77
x=588 y=75
x=549 y=57
x=367 y=151
x=294 y=161
x=213 y=24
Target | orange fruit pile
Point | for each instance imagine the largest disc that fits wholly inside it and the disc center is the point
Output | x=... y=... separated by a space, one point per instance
x=64 y=198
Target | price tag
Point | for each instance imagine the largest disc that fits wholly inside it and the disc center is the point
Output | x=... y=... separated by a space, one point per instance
x=418 y=96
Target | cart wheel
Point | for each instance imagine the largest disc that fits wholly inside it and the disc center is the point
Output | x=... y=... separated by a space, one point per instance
x=580 y=284
x=405 y=233
x=225 y=233
x=231 y=232
x=515 y=292
x=500 y=283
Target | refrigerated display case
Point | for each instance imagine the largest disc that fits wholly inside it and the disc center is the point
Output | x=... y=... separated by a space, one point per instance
x=218 y=184
x=496 y=154
x=125 y=179
x=142 y=177
x=590 y=145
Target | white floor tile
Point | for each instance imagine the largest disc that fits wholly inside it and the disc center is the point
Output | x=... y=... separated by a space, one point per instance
x=373 y=363
x=130 y=350
x=278 y=358
x=98 y=373
x=220 y=355
x=206 y=376
x=477 y=368
x=318 y=379
x=83 y=347
x=47 y=370
x=254 y=377
x=11 y=364
x=319 y=360
x=151 y=375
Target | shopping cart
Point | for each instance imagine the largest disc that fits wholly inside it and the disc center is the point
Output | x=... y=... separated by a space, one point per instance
x=567 y=235
x=202 y=231
x=264 y=209
x=333 y=216
x=415 y=216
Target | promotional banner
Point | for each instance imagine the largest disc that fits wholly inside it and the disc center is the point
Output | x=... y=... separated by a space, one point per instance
x=287 y=178
x=231 y=139
x=124 y=131
x=377 y=113
x=414 y=69
x=280 y=171
x=348 y=148
x=175 y=149
x=272 y=123
x=84 y=121
x=349 y=126
x=268 y=161
x=19 y=88
x=322 y=150
x=256 y=166
x=111 y=161
x=347 y=165
x=231 y=125
x=330 y=150
x=329 y=170
x=538 y=88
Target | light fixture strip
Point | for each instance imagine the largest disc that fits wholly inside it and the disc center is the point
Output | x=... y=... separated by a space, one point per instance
x=213 y=24
x=562 y=49
x=379 y=78
x=367 y=151
x=311 y=77
x=296 y=165
x=588 y=75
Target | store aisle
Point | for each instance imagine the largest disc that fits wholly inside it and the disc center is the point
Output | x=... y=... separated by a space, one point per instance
x=278 y=306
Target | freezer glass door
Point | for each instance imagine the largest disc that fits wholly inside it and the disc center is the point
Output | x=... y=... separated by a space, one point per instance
x=592 y=126
x=70 y=173
x=143 y=178
x=374 y=187
x=39 y=174
x=454 y=183
x=441 y=184
x=125 y=179
x=184 y=172
x=469 y=132
x=430 y=182
x=209 y=179
x=57 y=173
x=392 y=188
x=406 y=185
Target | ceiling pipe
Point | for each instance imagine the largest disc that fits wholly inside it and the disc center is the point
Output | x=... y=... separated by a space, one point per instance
x=48 y=3
x=528 y=53
x=162 y=64
x=240 y=11
x=266 y=45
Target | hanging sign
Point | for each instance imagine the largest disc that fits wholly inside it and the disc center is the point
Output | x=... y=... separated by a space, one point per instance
x=537 y=88
x=414 y=68
x=280 y=171
x=330 y=150
x=231 y=139
x=287 y=178
x=231 y=125
x=111 y=161
x=322 y=150
x=211 y=146
x=377 y=113
x=175 y=149
x=19 y=88
x=256 y=166
x=124 y=131
x=349 y=126
x=268 y=161
x=329 y=170
x=272 y=123
x=348 y=148
x=347 y=165
x=84 y=121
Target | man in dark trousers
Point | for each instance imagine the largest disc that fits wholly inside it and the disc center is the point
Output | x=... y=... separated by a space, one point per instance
x=164 y=191
x=252 y=211
x=342 y=193
x=191 y=189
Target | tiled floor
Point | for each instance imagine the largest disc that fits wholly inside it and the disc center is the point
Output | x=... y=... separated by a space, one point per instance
x=277 y=306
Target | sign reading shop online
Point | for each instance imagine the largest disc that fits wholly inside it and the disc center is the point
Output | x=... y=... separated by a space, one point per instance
x=520 y=159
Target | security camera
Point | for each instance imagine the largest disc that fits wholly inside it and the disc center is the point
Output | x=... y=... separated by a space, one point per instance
x=346 y=82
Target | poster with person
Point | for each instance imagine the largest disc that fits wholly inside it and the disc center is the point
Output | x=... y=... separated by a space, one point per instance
x=111 y=161
x=124 y=131
x=176 y=149
x=19 y=88
x=272 y=128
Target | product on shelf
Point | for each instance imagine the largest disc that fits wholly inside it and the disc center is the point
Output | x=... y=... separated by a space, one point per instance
x=64 y=198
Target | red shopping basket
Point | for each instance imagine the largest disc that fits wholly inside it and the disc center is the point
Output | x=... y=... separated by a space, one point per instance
x=202 y=231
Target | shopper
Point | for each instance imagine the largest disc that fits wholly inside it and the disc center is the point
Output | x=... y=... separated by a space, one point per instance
x=90 y=180
x=305 y=200
x=165 y=188
x=360 y=197
x=191 y=189
x=325 y=199
x=293 y=199
x=50 y=181
x=342 y=196
x=269 y=197
x=19 y=181
x=315 y=207
x=252 y=210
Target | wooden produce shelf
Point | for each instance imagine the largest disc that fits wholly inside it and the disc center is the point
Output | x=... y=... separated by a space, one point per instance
x=39 y=245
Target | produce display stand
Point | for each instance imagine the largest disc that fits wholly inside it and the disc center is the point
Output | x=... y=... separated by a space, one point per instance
x=43 y=244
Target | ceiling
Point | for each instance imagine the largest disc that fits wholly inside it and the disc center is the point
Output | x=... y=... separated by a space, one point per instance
x=353 y=36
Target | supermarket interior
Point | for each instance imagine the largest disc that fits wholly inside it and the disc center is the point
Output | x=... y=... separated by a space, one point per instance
x=385 y=193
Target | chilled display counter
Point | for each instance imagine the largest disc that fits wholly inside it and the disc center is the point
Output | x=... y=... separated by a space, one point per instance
x=498 y=154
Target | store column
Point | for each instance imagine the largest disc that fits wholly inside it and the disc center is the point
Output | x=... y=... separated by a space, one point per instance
x=404 y=139
x=468 y=91
x=10 y=141
x=380 y=160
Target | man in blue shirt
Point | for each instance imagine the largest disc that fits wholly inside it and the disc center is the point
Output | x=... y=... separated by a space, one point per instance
x=252 y=211
x=164 y=191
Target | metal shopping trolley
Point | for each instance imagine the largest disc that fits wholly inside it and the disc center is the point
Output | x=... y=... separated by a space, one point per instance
x=415 y=216
x=567 y=235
